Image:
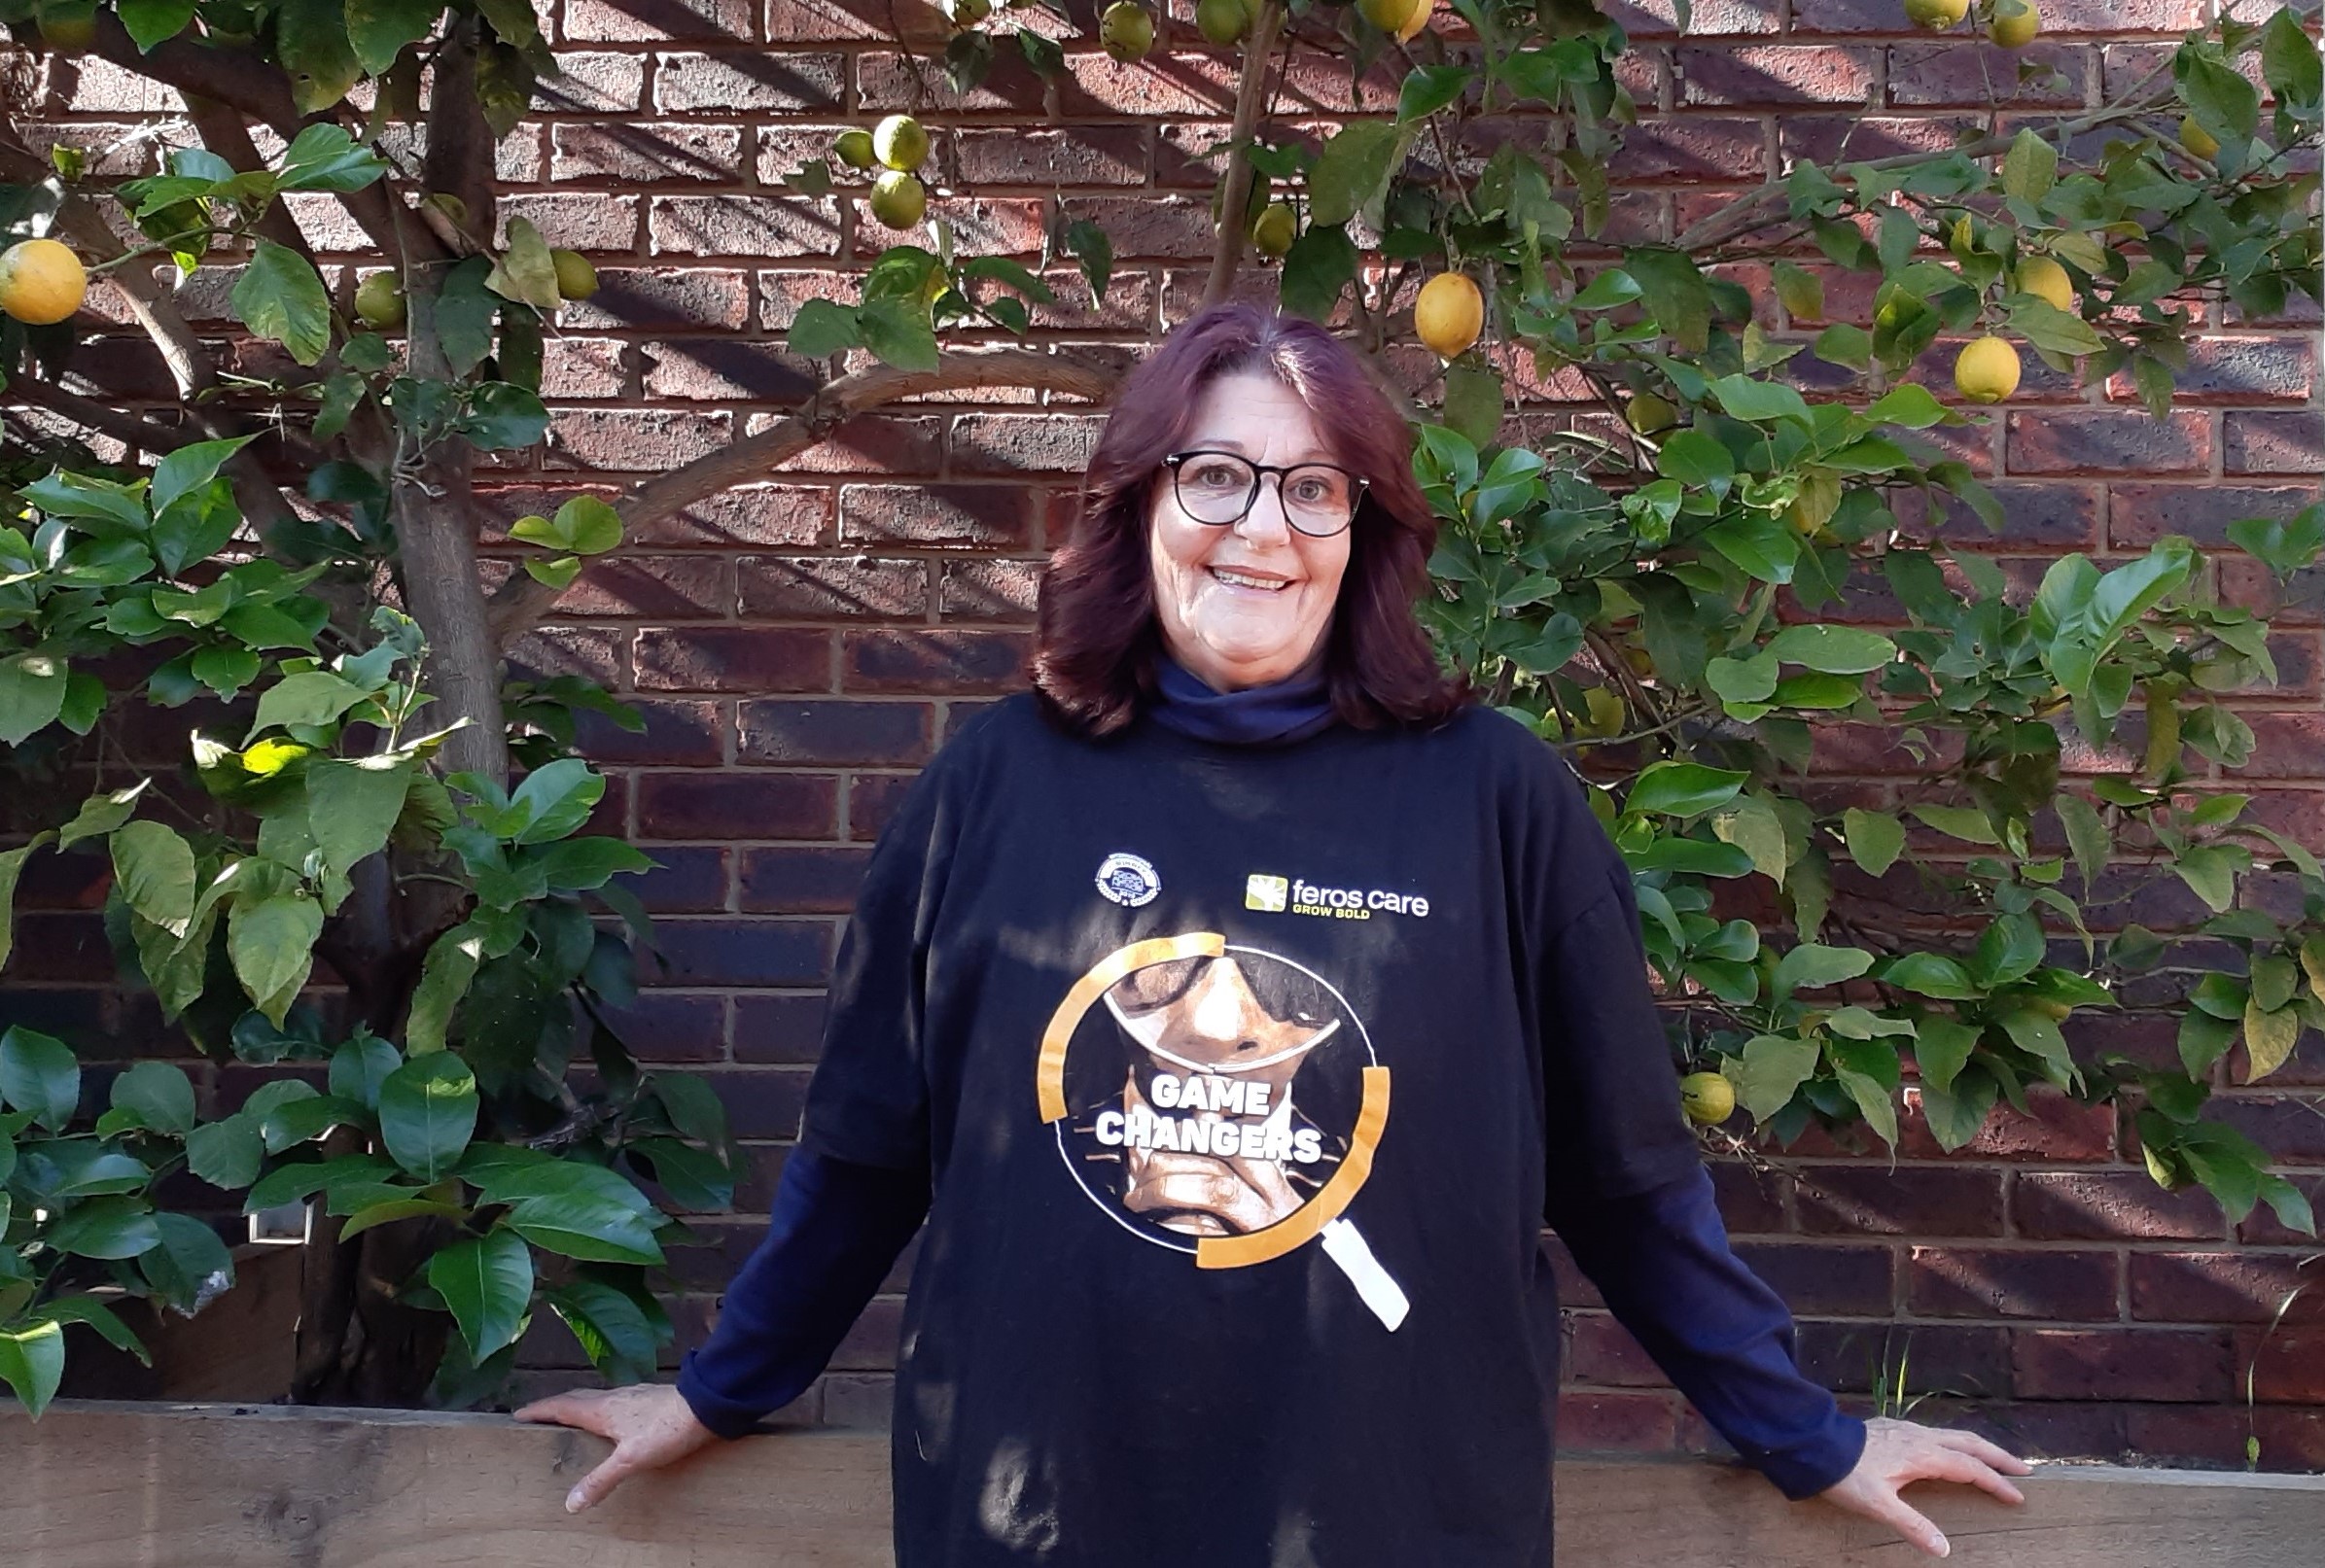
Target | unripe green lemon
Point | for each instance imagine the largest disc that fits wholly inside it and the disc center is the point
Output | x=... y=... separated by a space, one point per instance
x=1389 y=16
x=1707 y=1098
x=899 y=199
x=969 y=13
x=577 y=279
x=1938 y=13
x=1223 y=21
x=1274 y=229
x=379 y=303
x=899 y=142
x=854 y=148
x=2017 y=29
x=2197 y=140
x=1126 y=31
x=1987 y=370
x=1649 y=413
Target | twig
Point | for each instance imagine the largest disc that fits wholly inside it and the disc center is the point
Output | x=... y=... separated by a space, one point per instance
x=1251 y=97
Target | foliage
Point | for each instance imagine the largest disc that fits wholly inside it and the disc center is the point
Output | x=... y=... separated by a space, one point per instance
x=1743 y=573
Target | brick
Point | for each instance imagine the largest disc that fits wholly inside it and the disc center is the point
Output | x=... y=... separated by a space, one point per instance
x=693 y=299
x=2053 y=1128
x=2139 y=514
x=684 y=880
x=1659 y=19
x=875 y=443
x=981 y=225
x=1815 y=1279
x=2287 y=745
x=1936 y=1358
x=1694 y=148
x=718 y=806
x=2262 y=441
x=733 y=658
x=2108 y=440
x=1600 y=1350
x=770 y=1028
x=2166 y=1365
x=749 y=82
x=744 y=225
x=2035 y=515
x=634 y=440
x=2289 y=1367
x=1173 y=227
x=1751 y=1198
x=820 y=881
x=872 y=1345
x=1632 y=1422
x=2237 y=371
x=671 y=1027
x=781 y=293
x=936 y=515
x=874 y=799
x=2100 y=1205
x=1752 y=74
x=2023 y=1282
x=666 y=587
x=795 y=734
x=988 y=590
x=589 y=83
x=646 y=154
x=1024 y=443
x=856 y=1402
x=702 y=369
x=1911 y=1201
x=619 y=21
x=749 y=951
x=752 y=516
x=1044 y=159
x=763 y=1105
x=933 y=661
x=677 y=734
x=811 y=587
x=89 y=84
x=1956 y=74
x=2227 y=1287
x=583 y=367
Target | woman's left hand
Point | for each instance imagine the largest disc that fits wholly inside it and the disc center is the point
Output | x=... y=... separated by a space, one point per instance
x=1898 y=1453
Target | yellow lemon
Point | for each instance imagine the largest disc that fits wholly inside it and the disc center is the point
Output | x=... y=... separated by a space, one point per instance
x=899 y=142
x=1939 y=14
x=41 y=281
x=969 y=13
x=577 y=279
x=2046 y=281
x=1707 y=1098
x=1126 y=31
x=1223 y=21
x=1389 y=16
x=1274 y=231
x=1449 y=314
x=2197 y=140
x=854 y=148
x=1987 y=370
x=1417 y=21
x=2015 y=29
x=379 y=303
x=899 y=199
x=1649 y=413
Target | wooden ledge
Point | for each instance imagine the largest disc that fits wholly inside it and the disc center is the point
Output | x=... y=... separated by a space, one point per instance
x=130 y=1486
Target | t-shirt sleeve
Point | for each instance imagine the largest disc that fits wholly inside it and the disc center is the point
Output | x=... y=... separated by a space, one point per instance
x=1610 y=1095
x=868 y=1100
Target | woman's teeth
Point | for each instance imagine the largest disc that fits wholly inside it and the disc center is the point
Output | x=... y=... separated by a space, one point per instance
x=1238 y=579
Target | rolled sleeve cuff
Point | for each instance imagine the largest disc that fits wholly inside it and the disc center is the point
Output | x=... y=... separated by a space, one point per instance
x=1818 y=1464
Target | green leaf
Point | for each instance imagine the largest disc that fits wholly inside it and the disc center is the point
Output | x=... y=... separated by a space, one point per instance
x=2269 y=1040
x=1845 y=345
x=2030 y=168
x=1801 y=290
x=587 y=1227
x=525 y=272
x=185 y=1262
x=445 y=976
x=11 y=867
x=1817 y=691
x=280 y=296
x=465 y=313
x=1812 y=966
x=1353 y=169
x=1738 y=682
x=1957 y=1114
x=1833 y=649
x=32 y=1363
x=1320 y=265
x=428 y=1113
x=2217 y=96
x=503 y=417
x=1942 y=1047
x=1910 y=405
x=2009 y=949
x=352 y=806
x=188 y=469
x=2086 y=835
x=584 y=864
x=2284 y=544
x=154 y=868
x=1676 y=293
x=693 y=1107
x=100 y=815
x=610 y=1328
x=32 y=687
x=1684 y=789
x=114 y=1227
x=1874 y=1101
x=306 y=698
x=1694 y=458
x=898 y=332
x=1429 y=89
x=487 y=1285
x=1092 y=252
x=2047 y=327
x=588 y=526
x=152 y=22
x=39 y=1074
x=1746 y=397
x=272 y=943
x=2290 y=64
x=2210 y=872
x=324 y=157
x=1775 y=1066
x=1964 y=822
x=226 y=1154
x=2038 y=1036
x=821 y=329
x=159 y=1094
x=1875 y=839
x=1932 y=974
x=1752 y=825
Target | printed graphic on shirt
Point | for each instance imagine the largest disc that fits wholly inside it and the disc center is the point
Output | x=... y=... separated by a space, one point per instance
x=1273 y=895
x=1129 y=879
x=1219 y=1101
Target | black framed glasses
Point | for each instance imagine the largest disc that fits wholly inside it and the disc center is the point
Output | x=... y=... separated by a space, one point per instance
x=1218 y=488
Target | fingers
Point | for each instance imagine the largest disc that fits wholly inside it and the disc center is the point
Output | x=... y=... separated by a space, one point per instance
x=584 y=1409
x=1994 y=1453
x=596 y=1486
x=1909 y=1523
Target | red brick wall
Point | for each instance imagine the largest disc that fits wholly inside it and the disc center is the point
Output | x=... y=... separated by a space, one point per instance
x=801 y=646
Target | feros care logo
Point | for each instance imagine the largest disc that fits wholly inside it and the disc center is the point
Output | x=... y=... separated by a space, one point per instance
x=1275 y=895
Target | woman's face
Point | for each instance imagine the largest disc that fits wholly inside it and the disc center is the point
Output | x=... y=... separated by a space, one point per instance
x=1249 y=603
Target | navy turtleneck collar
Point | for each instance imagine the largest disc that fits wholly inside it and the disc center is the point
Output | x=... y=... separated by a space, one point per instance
x=1276 y=714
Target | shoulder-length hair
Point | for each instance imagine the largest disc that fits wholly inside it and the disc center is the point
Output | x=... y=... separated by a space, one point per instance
x=1096 y=639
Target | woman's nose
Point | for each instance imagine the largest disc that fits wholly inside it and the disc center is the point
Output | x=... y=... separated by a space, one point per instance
x=1266 y=519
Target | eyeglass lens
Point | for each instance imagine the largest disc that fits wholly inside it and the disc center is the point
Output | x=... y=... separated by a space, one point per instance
x=1218 y=488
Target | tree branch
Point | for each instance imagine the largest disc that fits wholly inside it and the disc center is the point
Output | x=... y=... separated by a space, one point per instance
x=225 y=131
x=117 y=423
x=1250 y=99
x=522 y=601
x=240 y=77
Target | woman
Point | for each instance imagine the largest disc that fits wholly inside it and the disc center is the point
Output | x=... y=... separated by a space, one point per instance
x=1244 y=999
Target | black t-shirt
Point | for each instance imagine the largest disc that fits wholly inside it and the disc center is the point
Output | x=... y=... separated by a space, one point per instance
x=1243 y=1075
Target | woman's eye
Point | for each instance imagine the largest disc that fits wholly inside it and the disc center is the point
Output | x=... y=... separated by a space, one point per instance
x=1216 y=477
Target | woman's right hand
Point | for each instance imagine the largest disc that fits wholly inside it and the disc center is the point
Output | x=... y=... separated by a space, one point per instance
x=648 y=1424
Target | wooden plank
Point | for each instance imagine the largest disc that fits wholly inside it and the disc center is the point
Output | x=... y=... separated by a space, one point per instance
x=105 y=1485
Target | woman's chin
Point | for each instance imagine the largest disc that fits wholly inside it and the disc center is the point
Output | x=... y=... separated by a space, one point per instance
x=1253 y=659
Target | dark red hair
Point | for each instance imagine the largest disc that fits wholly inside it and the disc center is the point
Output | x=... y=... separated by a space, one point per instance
x=1096 y=638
